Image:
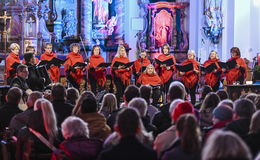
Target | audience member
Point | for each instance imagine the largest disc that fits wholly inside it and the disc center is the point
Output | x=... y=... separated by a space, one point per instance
x=77 y=144
x=72 y=96
x=108 y=105
x=129 y=147
x=257 y=102
x=162 y=120
x=11 y=108
x=251 y=96
x=223 y=145
x=227 y=102
x=203 y=93
x=21 y=119
x=209 y=103
x=188 y=144
x=222 y=93
x=242 y=113
x=62 y=109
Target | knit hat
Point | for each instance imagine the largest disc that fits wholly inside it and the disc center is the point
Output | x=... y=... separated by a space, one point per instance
x=223 y=113
x=180 y=109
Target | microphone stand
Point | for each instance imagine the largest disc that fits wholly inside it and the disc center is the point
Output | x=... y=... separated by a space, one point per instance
x=141 y=70
x=86 y=82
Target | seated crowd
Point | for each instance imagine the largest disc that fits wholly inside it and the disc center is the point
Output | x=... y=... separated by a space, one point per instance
x=61 y=124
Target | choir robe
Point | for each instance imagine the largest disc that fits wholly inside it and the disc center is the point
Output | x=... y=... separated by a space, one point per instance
x=73 y=58
x=165 y=74
x=122 y=74
x=36 y=61
x=233 y=74
x=10 y=60
x=139 y=63
x=212 y=78
x=149 y=79
x=190 y=78
x=54 y=71
x=98 y=74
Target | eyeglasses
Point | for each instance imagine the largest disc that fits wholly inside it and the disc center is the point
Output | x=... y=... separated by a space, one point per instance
x=49 y=48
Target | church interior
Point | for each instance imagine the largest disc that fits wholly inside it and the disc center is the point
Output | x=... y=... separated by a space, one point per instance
x=159 y=43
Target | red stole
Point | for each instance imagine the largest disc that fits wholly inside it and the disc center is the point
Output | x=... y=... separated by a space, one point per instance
x=123 y=74
x=73 y=58
x=10 y=60
x=165 y=74
x=54 y=71
x=211 y=78
x=190 y=78
x=233 y=74
x=147 y=79
x=98 y=74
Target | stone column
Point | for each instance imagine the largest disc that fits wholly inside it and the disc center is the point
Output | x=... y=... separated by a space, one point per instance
x=86 y=19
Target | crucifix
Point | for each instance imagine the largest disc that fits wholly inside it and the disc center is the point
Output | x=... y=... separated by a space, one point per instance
x=5 y=18
x=30 y=21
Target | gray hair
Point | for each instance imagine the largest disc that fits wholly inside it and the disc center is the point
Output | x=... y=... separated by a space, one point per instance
x=140 y=104
x=227 y=102
x=74 y=127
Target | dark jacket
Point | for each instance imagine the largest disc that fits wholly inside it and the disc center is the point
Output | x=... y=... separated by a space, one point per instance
x=20 y=83
x=81 y=148
x=129 y=148
x=240 y=127
x=7 y=111
x=34 y=81
x=253 y=141
x=162 y=119
x=177 y=153
x=62 y=110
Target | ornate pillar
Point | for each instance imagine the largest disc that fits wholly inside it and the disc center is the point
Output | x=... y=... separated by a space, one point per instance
x=119 y=31
x=86 y=19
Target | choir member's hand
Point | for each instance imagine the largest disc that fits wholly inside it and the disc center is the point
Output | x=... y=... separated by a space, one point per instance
x=224 y=69
x=168 y=68
x=163 y=65
x=120 y=67
x=77 y=67
x=237 y=66
x=182 y=73
x=128 y=69
x=196 y=71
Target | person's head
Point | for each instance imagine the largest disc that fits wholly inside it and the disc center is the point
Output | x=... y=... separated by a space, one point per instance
x=89 y=105
x=227 y=102
x=130 y=117
x=33 y=97
x=191 y=54
x=166 y=49
x=188 y=131
x=204 y=91
x=142 y=54
x=29 y=58
x=14 y=47
x=96 y=50
x=58 y=92
x=174 y=104
x=251 y=96
x=131 y=92
x=180 y=109
x=243 y=108
x=121 y=52
x=75 y=47
x=48 y=47
x=30 y=49
x=222 y=93
x=14 y=95
x=257 y=102
x=109 y=103
x=74 y=127
x=72 y=95
x=225 y=145
x=140 y=105
x=176 y=91
x=213 y=55
x=22 y=71
x=49 y=118
x=255 y=121
x=145 y=93
x=150 y=70
x=84 y=95
x=235 y=52
x=222 y=113
x=210 y=101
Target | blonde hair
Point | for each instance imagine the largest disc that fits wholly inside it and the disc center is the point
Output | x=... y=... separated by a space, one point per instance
x=193 y=53
x=14 y=45
x=118 y=51
x=49 y=118
x=77 y=109
x=109 y=103
x=225 y=145
x=74 y=127
x=146 y=69
x=213 y=51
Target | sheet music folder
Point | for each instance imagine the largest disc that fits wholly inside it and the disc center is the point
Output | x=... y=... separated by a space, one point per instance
x=104 y=65
x=167 y=62
x=184 y=68
x=79 y=64
x=15 y=65
x=126 y=65
x=210 y=68
x=54 y=61
x=228 y=65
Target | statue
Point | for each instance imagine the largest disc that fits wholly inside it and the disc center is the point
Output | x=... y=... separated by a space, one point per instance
x=101 y=11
